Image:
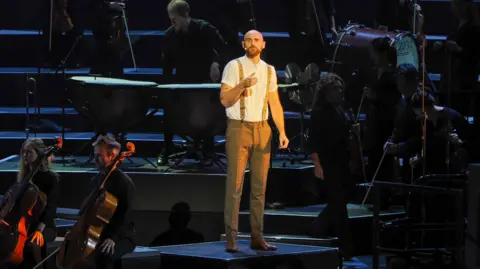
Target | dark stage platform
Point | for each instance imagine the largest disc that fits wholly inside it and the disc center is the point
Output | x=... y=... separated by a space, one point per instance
x=213 y=255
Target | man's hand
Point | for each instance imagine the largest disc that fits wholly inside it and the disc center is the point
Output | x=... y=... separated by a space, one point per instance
x=414 y=161
x=390 y=148
x=215 y=72
x=250 y=81
x=452 y=46
x=283 y=141
x=334 y=32
x=108 y=246
x=318 y=171
x=37 y=238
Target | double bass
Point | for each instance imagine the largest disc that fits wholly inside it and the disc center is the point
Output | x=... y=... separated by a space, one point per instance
x=97 y=211
x=21 y=206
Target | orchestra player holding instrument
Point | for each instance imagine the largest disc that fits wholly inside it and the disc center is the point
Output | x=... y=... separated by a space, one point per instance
x=249 y=86
x=39 y=229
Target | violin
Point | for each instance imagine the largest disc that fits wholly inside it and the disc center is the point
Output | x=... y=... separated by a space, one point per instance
x=85 y=234
x=22 y=205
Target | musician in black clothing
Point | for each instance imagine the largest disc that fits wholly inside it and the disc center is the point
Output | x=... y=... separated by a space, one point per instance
x=118 y=236
x=306 y=36
x=329 y=137
x=444 y=125
x=44 y=230
x=194 y=48
x=383 y=96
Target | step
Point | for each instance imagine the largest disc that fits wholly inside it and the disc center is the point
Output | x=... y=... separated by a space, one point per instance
x=16 y=50
x=270 y=15
x=79 y=143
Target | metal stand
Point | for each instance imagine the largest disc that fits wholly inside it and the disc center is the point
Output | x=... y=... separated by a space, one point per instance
x=129 y=40
x=28 y=92
x=62 y=67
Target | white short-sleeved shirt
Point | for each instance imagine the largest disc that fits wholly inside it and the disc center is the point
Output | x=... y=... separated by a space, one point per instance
x=253 y=103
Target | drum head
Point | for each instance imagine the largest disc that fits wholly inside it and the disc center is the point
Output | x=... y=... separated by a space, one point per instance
x=407 y=50
x=101 y=81
x=111 y=105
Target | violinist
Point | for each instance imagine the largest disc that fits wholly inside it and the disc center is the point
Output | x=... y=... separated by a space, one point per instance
x=329 y=137
x=43 y=229
x=118 y=237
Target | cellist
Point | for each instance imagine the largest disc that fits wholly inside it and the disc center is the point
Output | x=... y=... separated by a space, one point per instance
x=118 y=237
x=48 y=182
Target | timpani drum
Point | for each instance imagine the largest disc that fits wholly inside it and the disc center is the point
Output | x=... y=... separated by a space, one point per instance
x=112 y=105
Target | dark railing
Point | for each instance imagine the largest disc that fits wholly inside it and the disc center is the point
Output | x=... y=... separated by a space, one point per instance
x=458 y=226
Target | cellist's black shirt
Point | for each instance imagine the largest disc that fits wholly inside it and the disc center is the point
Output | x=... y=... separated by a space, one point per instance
x=121 y=225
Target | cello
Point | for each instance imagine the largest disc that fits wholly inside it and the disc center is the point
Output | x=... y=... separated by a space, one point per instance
x=97 y=211
x=21 y=206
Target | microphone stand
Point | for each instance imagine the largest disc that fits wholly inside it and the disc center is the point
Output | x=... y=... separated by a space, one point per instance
x=318 y=22
x=62 y=67
x=27 y=101
x=253 y=19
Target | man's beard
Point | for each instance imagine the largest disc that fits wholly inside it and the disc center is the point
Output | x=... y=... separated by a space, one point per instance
x=252 y=52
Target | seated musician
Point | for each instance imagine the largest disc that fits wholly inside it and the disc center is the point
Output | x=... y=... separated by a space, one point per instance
x=193 y=47
x=443 y=125
x=44 y=229
x=118 y=236
x=406 y=126
x=329 y=137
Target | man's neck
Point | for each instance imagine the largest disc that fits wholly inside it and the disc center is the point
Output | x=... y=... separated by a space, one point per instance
x=185 y=29
x=254 y=59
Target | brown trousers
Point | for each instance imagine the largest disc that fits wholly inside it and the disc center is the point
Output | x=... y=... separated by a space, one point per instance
x=246 y=141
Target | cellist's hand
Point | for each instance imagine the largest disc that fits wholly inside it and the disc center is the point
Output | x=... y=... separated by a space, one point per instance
x=108 y=246
x=37 y=238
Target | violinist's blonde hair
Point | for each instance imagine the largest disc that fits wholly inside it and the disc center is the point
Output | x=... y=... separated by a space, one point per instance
x=39 y=147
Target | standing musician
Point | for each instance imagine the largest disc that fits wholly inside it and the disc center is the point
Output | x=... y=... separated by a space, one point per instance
x=383 y=96
x=331 y=155
x=118 y=236
x=194 y=48
x=44 y=229
x=249 y=86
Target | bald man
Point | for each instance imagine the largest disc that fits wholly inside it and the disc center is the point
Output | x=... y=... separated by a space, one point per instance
x=249 y=86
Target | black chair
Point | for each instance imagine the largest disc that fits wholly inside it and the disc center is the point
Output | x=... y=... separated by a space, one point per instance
x=194 y=110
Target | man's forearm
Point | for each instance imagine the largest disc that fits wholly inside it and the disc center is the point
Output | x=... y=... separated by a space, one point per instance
x=316 y=159
x=230 y=97
x=278 y=118
x=332 y=22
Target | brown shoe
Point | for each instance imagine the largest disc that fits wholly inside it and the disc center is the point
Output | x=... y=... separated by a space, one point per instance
x=261 y=244
x=231 y=246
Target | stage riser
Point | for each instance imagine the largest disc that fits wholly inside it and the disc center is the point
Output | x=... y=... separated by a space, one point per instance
x=361 y=228
x=291 y=187
x=73 y=123
x=270 y=14
x=16 y=51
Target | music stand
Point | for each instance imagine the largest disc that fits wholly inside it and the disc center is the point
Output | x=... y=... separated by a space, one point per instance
x=195 y=110
x=111 y=105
